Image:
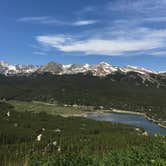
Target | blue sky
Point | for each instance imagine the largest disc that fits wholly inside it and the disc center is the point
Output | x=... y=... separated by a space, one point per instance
x=120 y=32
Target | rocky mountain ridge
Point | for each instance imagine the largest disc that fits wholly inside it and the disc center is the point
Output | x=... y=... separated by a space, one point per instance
x=101 y=69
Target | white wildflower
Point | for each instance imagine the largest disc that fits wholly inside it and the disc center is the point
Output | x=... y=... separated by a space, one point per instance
x=145 y=133
x=59 y=149
x=39 y=137
x=8 y=114
x=57 y=130
x=54 y=143
x=137 y=129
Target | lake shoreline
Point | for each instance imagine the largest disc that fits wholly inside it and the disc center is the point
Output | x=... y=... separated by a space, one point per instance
x=118 y=111
x=139 y=113
x=84 y=114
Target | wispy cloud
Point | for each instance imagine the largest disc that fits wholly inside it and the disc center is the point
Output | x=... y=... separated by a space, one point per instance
x=42 y=20
x=144 y=40
x=137 y=12
x=155 y=19
x=39 y=53
x=126 y=29
x=52 y=20
x=29 y=19
x=140 y=6
x=84 y=22
x=86 y=10
x=159 y=53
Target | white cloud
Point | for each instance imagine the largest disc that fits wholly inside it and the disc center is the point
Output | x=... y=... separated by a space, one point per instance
x=155 y=19
x=159 y=53
x=141 y=6
x=39 y=53
x=54 y=41
x=135 y=41
x=28 y=19
x=138 y=11
x=126 y=30
x=107 y=47
x=84 y=22
x=43 y=20
x=51 y=20
x=86 y=10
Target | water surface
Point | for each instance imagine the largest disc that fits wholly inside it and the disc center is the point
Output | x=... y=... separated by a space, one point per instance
x=130 y=119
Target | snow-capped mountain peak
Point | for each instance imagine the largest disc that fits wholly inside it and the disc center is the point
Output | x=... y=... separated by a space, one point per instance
x=140 y=70
x=9 y=69
x=7 y=65
x=101 y=69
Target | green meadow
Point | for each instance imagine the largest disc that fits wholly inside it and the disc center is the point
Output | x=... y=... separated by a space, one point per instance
x=70 y=141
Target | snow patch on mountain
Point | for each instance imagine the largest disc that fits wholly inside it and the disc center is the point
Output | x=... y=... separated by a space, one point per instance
x=9 y=69
x=101 y=69
x=140 y=70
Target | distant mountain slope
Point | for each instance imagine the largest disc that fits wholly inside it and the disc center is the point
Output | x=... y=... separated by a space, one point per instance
x=130 y=90
x=120 y=88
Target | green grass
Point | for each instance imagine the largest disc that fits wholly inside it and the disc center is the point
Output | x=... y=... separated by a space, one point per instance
x=81 y=141
x=152 y=154
x=53 y=109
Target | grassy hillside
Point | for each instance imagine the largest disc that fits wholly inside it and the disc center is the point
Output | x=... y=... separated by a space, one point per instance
x=66 y=141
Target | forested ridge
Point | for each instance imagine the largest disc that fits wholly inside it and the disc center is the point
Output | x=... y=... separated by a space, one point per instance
x=114 y=91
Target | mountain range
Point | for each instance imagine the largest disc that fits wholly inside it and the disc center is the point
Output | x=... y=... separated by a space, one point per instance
x=101 y=69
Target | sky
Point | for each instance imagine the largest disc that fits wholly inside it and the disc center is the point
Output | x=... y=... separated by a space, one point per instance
x=120 y=32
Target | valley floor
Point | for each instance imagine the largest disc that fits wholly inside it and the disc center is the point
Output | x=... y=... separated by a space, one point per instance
x=33 y=134
x=75 y=111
